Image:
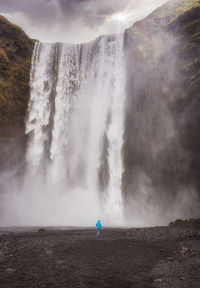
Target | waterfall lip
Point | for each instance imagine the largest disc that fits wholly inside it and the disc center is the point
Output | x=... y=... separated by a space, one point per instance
x=85 y=43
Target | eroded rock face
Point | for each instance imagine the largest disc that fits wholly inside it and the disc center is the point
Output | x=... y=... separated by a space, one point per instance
x=162 y=124
x=15 y=62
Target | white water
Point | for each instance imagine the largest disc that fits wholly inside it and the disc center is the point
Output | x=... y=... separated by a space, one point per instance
x=75 y=127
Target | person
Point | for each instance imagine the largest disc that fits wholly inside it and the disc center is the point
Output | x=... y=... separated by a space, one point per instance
x=98 y=226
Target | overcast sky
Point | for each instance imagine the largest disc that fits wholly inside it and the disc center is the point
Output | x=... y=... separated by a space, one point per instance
x=75 y=21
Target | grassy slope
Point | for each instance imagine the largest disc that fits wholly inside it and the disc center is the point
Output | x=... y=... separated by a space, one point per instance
x=15 y=61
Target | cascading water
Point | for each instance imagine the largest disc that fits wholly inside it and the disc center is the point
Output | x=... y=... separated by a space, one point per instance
x=75 y=126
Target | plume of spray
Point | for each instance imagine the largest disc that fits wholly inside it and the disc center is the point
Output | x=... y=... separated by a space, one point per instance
x=156 y=163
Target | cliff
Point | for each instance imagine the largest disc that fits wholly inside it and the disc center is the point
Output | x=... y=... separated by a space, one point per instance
x=162 y=126
x=15 y=62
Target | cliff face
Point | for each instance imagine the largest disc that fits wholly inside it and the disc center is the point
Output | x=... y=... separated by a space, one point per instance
x=15 y=62
x=162 y=124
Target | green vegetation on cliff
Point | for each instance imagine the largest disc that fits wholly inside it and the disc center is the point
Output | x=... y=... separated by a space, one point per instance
x=15 y=62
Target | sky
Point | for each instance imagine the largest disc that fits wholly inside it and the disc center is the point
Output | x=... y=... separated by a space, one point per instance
x=75 y=21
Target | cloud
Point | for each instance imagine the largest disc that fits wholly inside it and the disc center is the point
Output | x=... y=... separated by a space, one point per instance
x=72 y=20
x=38 y=11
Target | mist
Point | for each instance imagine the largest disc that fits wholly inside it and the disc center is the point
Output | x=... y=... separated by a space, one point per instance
x=156 y=184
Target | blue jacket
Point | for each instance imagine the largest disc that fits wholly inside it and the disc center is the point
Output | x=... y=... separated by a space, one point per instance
x=98 y=225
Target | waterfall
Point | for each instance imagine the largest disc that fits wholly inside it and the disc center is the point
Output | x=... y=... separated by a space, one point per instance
x=75 y=126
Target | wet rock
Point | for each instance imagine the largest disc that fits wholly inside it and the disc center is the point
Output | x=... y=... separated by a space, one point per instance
x=1 y=256
x=184 y=250
x=10 y=270
x=75 y=259
x=49 y=252
x=59 y=262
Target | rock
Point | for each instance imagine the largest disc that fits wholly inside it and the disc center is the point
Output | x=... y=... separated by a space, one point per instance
x=162 y=261
x=1 y=256
x=59 y=262
x=10 y=270
x=184 y=250
x=158 y=280
x=49 y=252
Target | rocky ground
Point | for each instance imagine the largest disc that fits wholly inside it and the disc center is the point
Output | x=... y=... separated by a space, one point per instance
x=144 y=257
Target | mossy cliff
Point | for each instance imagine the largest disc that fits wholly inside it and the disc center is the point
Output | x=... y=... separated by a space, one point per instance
x=15 y=62
x=162 y=126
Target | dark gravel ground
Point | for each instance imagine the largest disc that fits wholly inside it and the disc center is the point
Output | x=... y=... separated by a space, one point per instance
x=166 y=257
